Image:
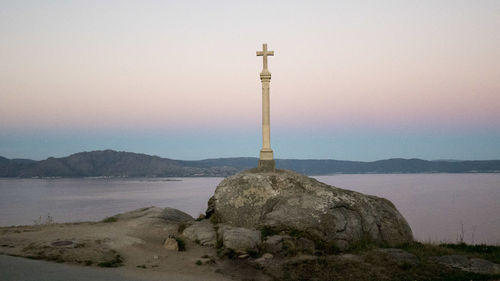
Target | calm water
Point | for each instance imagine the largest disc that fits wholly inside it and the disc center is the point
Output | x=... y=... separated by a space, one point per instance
x=437 y=206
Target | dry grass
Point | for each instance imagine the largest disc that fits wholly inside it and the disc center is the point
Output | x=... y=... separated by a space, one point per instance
x=376 y=265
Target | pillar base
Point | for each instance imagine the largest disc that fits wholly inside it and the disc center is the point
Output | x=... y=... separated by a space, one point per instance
x=266 y=166
x=266 y=154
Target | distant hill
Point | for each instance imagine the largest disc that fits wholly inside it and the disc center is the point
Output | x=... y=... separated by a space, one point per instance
x=109 y=163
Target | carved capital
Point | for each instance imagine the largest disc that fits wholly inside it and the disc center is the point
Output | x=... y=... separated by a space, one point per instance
x=265 y=76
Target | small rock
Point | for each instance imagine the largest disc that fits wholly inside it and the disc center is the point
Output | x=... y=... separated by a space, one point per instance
x=260 y=262
x=263 y=261
x=239 y=239
x=273 y=244
x=267 y=256
x=155 y=257
x=202 y=232
x=171 y=244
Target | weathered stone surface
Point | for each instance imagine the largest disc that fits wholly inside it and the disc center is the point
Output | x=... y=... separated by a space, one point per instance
x=304 y=245
x=262 y=261
x=171 y=244
x=455 y=261
x=174 y=216
x=399 y=256
x=473 y=264
x=284 y=201
x=202 y=232
x=287 y=245
x=484 y=266
x=273 y=244
x=267 y=166
x=239 y=239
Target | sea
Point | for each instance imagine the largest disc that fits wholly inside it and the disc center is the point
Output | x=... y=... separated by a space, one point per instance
x=440 y=208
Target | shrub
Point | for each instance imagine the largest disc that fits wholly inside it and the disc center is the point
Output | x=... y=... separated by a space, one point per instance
x=181 y=243
x=253 y=253
x=48 y=220
x=268 y=231
x=110 y=219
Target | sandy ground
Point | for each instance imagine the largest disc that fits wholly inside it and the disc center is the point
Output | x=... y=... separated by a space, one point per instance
x=136 y=238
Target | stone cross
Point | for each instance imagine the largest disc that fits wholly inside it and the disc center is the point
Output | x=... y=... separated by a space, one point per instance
x=264 y=53
x=266 y=161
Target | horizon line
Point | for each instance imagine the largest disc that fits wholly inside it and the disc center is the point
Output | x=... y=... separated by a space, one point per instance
x=235 y=157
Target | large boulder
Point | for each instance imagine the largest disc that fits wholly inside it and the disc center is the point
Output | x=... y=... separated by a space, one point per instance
x=287 y=202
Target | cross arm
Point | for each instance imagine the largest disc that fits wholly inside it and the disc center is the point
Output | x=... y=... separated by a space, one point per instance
x=267 y=53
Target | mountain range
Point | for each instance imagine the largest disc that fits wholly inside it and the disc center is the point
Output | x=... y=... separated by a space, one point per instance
x=110 y=163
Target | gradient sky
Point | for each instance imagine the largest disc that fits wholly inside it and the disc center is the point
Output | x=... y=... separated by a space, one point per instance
x=354 y=80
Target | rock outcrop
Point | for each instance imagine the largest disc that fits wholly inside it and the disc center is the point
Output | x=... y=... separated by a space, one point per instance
x=289 y=203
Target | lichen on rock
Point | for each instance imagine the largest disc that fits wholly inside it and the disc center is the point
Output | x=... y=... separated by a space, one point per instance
x=289 y=202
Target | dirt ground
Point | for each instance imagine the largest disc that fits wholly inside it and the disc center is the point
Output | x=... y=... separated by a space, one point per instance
x=134 y=242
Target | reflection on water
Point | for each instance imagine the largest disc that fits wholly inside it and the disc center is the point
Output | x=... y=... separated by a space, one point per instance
x=435 y=205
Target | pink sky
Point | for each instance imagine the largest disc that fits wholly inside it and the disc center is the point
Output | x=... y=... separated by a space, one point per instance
x=189 y=65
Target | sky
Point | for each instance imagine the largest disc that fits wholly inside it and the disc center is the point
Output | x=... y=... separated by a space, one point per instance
x=351 y=80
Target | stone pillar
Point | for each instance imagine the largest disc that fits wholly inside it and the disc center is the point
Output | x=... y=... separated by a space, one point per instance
x=266 y=161
x=266 y=153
